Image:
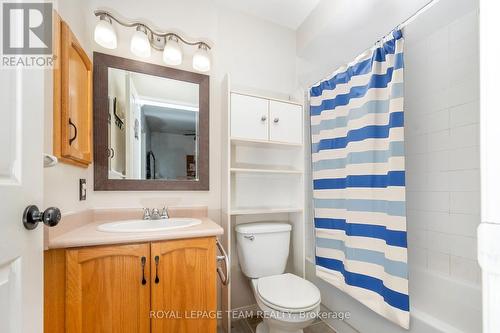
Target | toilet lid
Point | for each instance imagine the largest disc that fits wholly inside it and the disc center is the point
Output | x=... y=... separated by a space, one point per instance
x=288 y=291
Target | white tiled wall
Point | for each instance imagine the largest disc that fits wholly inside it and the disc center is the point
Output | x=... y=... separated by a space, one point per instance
x=442 y=148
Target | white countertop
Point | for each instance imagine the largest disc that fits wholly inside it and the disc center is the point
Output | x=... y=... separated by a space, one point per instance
x=88 y=235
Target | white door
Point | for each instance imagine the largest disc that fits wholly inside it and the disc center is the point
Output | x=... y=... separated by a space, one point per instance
x=285 y=122
x=21 y=172
x=249 y=117
x=134 y=110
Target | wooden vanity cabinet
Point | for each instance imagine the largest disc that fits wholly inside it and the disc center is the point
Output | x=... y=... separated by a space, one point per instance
x=108 y=289
x=183 y=275
x=72 y=98
x=122 y=288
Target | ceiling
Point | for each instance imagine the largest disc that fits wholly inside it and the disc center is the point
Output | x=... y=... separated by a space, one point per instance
x=167 y=120
x=287 y=13
x=166 y=90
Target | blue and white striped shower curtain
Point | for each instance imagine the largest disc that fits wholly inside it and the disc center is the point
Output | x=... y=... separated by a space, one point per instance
x=359 y=180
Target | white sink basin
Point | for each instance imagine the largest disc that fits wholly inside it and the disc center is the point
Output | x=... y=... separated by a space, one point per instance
x=148 y=225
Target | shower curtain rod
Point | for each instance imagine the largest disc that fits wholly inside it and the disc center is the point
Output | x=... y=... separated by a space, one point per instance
x=398 y=27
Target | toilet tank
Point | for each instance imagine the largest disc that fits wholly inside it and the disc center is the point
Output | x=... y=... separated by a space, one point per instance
x=263 y=248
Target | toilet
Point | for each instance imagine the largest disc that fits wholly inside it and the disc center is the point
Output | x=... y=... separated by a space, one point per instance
x=289 y=303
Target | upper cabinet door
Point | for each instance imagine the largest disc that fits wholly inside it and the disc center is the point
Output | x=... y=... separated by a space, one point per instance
x=249 y=117
x=183 y=274
x=108 y=289
x=285 y=121
x=76 y=99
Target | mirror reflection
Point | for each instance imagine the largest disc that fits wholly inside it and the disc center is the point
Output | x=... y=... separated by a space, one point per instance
x=152 y=127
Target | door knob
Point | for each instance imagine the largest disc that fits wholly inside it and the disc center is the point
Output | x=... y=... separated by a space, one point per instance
x=32 y=216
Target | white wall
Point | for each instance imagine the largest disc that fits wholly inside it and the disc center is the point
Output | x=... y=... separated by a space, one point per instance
x=259 y=55
x=442 y=150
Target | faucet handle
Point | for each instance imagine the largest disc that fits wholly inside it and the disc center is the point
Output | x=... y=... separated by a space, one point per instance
x=155 y=213
x=146 y=214
x=164 y=213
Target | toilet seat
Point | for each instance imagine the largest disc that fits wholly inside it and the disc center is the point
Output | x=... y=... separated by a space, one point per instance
x=288 y=293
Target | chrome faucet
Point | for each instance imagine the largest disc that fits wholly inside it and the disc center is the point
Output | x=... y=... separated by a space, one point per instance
x=164 y=213
x=146 y=214
x=155 y=214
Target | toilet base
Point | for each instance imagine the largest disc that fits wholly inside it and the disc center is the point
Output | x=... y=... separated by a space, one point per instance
x=264 y=328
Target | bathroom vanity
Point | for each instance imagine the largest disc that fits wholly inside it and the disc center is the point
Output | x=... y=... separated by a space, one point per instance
x=161 y=281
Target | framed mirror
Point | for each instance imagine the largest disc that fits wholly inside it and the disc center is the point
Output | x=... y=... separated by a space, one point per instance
x=151 y=127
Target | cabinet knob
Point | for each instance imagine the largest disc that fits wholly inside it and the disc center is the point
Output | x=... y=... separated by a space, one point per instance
x=263 y=118
x=276 y=120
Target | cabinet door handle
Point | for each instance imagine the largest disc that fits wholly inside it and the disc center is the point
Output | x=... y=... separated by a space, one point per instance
x=263 y=118
x=76 y=132
x=157 y=261
x=143 y=264
x=276 y=120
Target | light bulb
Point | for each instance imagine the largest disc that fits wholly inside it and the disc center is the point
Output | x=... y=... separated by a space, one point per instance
x=201 y=59
x=104 y=33
x=172 y=54
x=139 y=44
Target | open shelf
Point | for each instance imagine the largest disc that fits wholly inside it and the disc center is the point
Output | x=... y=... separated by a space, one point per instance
x=264 y=210
x=261 y=143
x=265 y=191
x=257 y=168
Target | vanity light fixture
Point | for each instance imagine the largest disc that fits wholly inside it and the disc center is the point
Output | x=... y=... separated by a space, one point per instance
x=145 y=38
x=139 y=44
x=201 y=59
x=172 y=53
x=104 y=33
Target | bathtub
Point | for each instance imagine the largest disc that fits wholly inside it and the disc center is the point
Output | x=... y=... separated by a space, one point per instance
x=438 y=304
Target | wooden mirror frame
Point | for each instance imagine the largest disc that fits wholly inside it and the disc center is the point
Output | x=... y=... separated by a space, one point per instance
x=102 y=62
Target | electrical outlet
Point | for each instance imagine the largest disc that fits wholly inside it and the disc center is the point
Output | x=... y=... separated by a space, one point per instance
x=83 y=189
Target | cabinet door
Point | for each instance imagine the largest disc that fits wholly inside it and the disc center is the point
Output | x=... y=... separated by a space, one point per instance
x=108 y=289
x=249 y=117
x=76 y=99
x=285 y=122
x=184 y=286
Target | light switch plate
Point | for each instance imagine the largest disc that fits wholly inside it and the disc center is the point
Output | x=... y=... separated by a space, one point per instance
x=83 y=189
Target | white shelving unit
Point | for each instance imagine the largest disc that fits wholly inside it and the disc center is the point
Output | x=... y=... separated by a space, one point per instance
x=262 y=176
x=260 y=143
x=242 y=169
x=265 y=210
